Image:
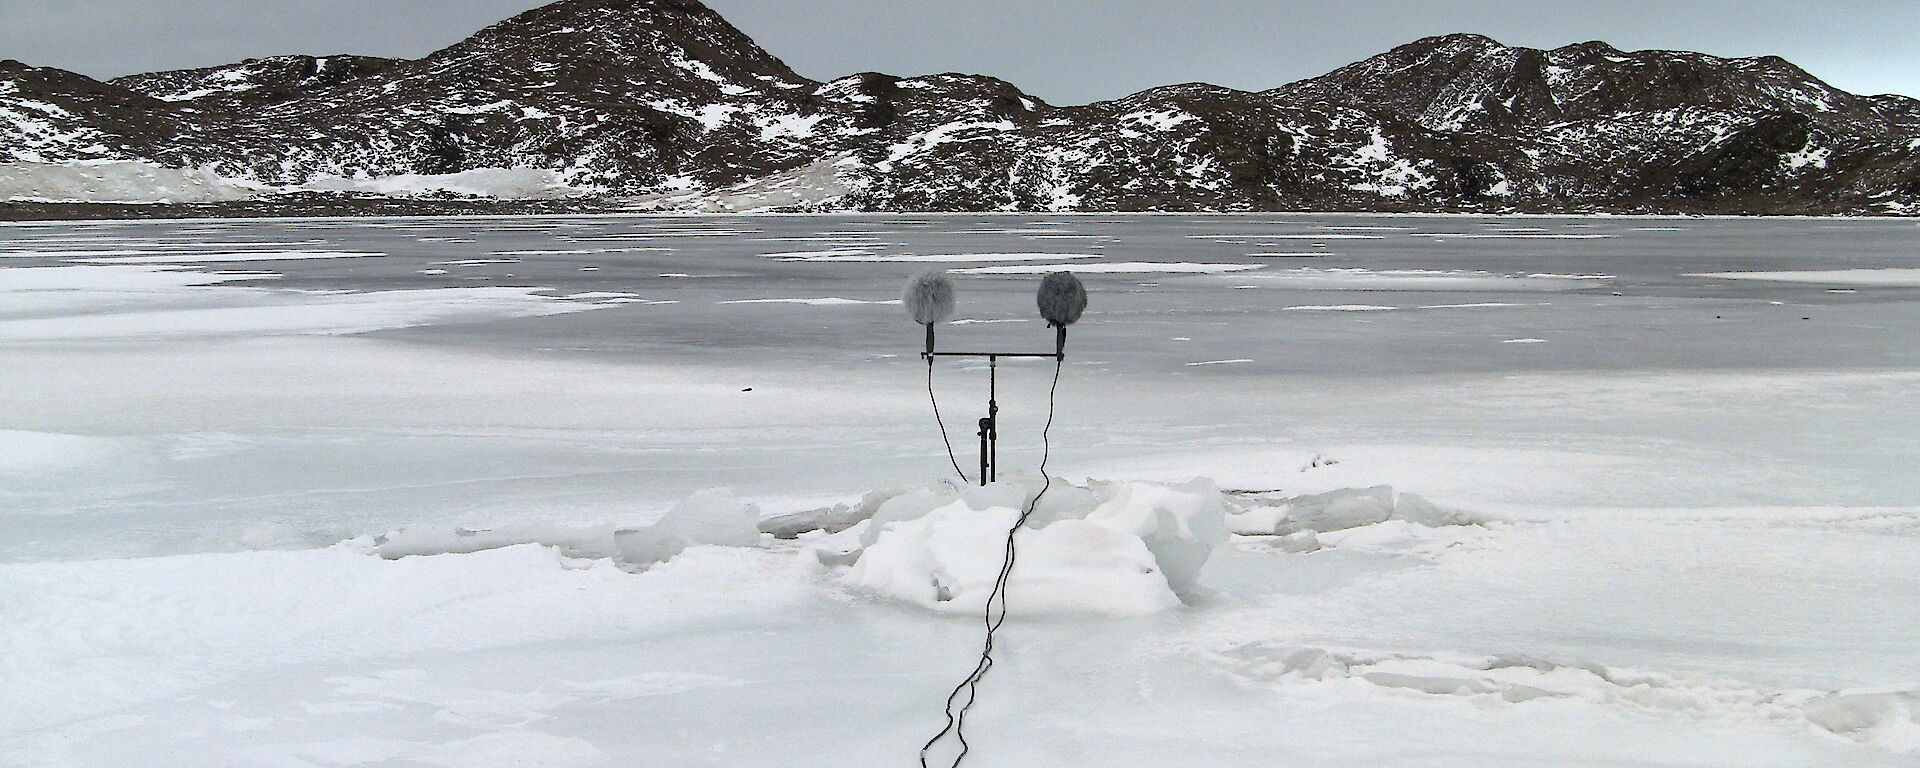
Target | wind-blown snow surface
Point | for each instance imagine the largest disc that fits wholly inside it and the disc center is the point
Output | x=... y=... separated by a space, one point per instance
x=410 y=507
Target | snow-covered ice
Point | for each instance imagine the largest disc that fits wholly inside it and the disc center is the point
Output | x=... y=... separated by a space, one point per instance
x=1514 y=235
x=256 y=312
x=1111 y=268
x=858 y=254
x=1362 y=279
x=202 y=257
x=1908 y=277
x=443 y=507
x=829 y=301
x=1341 y=308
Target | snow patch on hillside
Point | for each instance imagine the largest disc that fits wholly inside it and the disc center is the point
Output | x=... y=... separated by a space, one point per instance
x=502 y=183
x=118 y=181
x=821 y=185
x=32 y=130
x=132 y=181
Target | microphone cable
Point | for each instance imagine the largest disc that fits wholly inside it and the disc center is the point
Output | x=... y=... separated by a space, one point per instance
x=996 y=609
x=951 y=456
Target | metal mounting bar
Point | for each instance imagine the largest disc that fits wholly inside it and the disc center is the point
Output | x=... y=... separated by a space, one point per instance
x=1047 y=355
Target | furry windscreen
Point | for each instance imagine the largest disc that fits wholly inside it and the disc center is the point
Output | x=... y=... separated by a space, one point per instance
x=929 y=297
x=1062 y=299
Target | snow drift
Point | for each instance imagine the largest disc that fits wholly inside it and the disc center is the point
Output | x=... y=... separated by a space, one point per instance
x=1116 y=549
x=118 y=181
x=131 y=181
x=1103 y=548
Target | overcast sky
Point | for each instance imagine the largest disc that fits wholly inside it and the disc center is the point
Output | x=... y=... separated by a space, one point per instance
x=1066 y=51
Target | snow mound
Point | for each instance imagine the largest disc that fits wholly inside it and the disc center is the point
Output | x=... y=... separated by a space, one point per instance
x=1118 y=549
x=502 y=183
x=117 y=181
x=948 y=561
x=1179 y=524
x=1103 y=548
x=1890 y=720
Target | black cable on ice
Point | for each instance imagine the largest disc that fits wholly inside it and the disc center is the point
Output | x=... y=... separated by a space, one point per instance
x=951 y=456
x=996 y=612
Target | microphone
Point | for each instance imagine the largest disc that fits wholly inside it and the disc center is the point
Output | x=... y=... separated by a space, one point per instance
x=1062 y=299
x=929 y=300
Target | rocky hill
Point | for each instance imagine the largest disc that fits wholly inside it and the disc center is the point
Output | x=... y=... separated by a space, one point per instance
x=254 y=82
x=664 y=103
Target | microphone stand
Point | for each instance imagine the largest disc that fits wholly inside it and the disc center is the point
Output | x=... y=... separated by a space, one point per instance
x=990 y=425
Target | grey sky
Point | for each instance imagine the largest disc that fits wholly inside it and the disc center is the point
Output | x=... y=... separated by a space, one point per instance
x=1066 y=51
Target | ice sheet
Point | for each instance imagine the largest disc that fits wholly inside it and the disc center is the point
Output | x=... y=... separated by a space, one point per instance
x=1112 y=268
x=196 y=258
x=1362 y=279
x=1676 y=532
x=1892 y=277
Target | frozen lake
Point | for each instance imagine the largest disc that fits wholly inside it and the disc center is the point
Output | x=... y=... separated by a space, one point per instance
x=1696 y=437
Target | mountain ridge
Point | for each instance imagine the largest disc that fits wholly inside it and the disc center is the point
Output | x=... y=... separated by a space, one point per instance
x=664 y=104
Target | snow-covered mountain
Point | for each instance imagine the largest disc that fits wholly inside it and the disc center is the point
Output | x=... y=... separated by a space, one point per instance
x=1619 y=129
x=52 y=115
x=255 y=81
x=665 y=102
